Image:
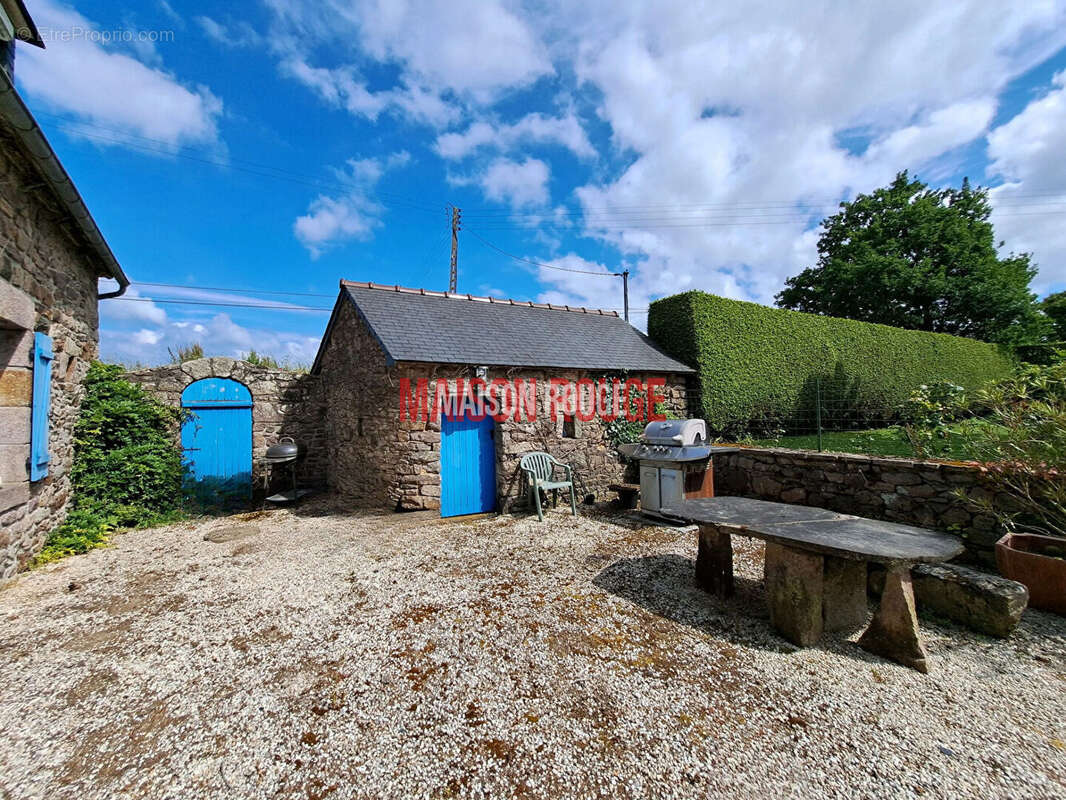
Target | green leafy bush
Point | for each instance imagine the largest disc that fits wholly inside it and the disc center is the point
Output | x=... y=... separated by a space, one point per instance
x=1021 y=440
x=127 y=465
x=928 y=415
x=758 y=367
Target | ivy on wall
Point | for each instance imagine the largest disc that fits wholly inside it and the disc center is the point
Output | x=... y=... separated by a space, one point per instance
x=127 y=469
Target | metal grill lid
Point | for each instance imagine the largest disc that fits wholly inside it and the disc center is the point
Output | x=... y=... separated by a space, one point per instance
x=676 y=432
x=286 y=448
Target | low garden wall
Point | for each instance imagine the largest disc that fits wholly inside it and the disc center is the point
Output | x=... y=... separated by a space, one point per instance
x=284 y=403
x=921 y=493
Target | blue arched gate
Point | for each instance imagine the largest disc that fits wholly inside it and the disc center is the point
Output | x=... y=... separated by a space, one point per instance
x=217 y=438
x=467 y=466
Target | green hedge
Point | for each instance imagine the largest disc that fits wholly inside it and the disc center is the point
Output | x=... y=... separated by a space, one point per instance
x=758 y=366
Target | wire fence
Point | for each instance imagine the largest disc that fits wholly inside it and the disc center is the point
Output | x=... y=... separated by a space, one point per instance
x=832 y=415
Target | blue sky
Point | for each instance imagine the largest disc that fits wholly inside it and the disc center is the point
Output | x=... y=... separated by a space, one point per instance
x=280 y=145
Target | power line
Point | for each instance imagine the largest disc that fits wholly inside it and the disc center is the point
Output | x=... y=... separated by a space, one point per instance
x=500 y=250
x=227 y=305
x=228 y=289
x=252 y=168
x=771 y=205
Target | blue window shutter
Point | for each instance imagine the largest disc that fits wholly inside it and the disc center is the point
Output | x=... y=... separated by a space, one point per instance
x=42 y=400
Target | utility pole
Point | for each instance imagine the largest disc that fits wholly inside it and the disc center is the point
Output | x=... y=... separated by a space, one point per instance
x=625 y=292
x=453 y=281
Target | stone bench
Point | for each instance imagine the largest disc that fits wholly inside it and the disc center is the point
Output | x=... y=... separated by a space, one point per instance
x=815 y=568
x=982 y=602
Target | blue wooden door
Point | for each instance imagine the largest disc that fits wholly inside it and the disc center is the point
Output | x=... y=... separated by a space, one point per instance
x=217 y=438
x=467 y=466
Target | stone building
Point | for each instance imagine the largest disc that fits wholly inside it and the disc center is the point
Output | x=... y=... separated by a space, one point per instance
x=51 y=258
x=284 y=403
x=381 y=340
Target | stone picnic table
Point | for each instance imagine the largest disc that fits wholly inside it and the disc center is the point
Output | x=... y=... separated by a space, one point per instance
x=815 y=568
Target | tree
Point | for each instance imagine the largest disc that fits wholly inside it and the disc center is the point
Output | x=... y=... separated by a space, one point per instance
x=1054 y=307
x=920 y=258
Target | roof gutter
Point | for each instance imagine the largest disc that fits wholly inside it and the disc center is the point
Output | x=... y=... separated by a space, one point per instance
x=32 y=139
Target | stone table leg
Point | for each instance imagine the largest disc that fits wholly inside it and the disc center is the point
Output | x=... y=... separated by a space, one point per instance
x=844 y=594
x=794 y=591
x=893 y=634
x=714 y=561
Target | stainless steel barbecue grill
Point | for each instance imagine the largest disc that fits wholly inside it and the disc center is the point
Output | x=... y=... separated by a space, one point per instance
x=675 y=462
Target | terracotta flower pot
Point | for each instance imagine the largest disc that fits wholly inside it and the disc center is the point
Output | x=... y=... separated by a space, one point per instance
x=1031 y=560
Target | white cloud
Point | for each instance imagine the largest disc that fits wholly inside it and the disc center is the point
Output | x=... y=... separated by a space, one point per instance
x=521 y=184
x=943 y=130
x=536 y=128
x=170 y=13
x=351 y=215
x=447 y=55
x=1027 y=153
x=469 y=46
x=147 y=338
x=131 y=307
x=219 y=335
x=81 y=77
x=731 y=125
x=230 y=34
x=343 y=87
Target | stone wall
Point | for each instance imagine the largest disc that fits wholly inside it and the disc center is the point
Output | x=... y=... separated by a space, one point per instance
x=48 y=283
x=284 y=403
x=921 y=493
x=378 y=460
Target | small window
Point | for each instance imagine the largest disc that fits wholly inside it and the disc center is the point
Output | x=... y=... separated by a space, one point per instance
x=571 y=427
x=42 y=401
x=360 y=426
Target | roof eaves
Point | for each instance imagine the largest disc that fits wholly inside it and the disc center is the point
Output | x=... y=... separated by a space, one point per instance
x=25 y=27
x=29 y=134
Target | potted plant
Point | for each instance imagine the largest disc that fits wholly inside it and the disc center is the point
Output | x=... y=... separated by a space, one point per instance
x=1019 y=435
x=1039 y=563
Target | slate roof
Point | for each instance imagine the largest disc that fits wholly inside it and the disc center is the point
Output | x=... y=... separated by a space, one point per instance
x=420 y=325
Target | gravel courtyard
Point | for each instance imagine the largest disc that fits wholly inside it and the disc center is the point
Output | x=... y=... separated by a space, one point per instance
x=319 y=655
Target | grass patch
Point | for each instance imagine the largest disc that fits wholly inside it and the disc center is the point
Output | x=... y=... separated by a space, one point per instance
x=92 y=526
x=873 y=442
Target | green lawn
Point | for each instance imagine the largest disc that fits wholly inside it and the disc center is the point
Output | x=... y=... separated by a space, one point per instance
x=874 y=442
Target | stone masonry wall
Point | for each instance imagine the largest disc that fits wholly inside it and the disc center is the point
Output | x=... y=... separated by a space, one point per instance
x=375 y=460
x=48 y=283
x=594 y=458
x=378 y=461
x=284 y=403
x=918 y=493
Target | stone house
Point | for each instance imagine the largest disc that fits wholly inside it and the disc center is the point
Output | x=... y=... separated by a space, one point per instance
x=52 y=256
x=382 y=340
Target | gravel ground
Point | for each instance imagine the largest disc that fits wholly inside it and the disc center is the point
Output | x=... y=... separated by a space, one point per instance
x=325 y=655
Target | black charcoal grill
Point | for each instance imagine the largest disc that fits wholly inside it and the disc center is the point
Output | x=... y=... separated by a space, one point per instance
x=286 y=453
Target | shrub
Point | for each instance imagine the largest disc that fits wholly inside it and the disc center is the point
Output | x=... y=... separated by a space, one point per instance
x=760 y=363
x=927 y=417
x=188 y=352
x=127 y=465
x=1022 y=444
x=269 y=362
